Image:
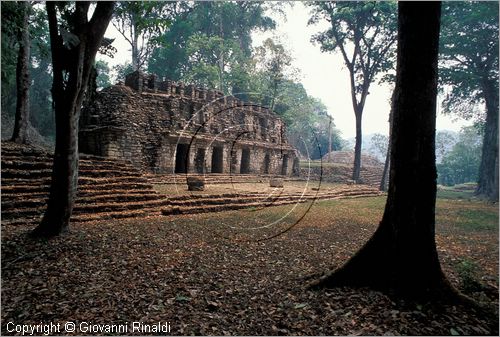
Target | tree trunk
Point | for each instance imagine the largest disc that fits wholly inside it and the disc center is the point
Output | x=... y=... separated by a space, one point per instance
x=329 y=138
x=387 y=164
x=20 y=134
x=488 y=171
x=401 y=255
x=357 y=148
x=71 y=68
x=134 y=42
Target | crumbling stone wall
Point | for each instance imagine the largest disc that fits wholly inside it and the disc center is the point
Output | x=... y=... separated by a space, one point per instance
x=163 y=126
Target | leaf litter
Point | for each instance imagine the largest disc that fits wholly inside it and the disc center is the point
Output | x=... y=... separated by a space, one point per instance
x=197 y=274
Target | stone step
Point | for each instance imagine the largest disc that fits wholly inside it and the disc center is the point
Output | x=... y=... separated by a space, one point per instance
x=83 y=182
x=24 y=203
x=21 y=213
x=154 y=207
x=118 y=206
x=24 y=188
x=23 y=164
x=235 y=206
x=133 y=191
x=24 y=174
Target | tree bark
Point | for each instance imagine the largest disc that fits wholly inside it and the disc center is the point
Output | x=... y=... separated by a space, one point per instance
x=357 y=147
x=488 y=171
x=20 y=134
x=401 y=255
x=71 y=68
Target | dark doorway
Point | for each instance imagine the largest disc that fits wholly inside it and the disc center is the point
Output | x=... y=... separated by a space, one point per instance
x=284 y=166
x=267 y=162
x=217 y=159
x=245 y=161
x=199 y=161
x=182 y=158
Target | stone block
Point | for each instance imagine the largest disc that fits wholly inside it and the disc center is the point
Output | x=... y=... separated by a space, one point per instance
x=196 y=184
x=276 y=182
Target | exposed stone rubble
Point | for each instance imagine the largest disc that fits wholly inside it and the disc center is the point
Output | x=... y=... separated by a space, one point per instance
x=163 y=126
x=347 y=157
x=342 y=173
x=341 y=170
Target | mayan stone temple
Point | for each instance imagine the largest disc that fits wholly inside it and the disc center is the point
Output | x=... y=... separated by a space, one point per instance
x=165 y=127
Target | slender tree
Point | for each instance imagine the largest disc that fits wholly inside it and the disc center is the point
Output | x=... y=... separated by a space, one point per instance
x=75 y=40
x=141 y=23
x=22 y=119
x=387 y=163
x=402 y=255
x=365 y=34
x=469 y=64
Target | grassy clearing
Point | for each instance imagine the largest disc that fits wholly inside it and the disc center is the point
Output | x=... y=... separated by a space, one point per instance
x=450 y=213
x=461 y=192
x=467 y=215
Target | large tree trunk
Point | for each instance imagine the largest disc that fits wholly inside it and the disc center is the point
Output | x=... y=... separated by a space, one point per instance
x=72 y=68
x=357 y=147
x=488 y=171
x=20 y=134
x=401 y=255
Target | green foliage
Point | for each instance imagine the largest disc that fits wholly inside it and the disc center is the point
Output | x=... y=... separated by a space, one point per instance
x=11 y=23
x=103 y=78
x=467 y=271
x=368 y=29
x=216 y=62
x=461 y=164
x=306 y=119
x=274 y=63
x=468 y=54
x=41 y=114
x=225 y=54
x=121 y=70
x=142 y=23
x=444 y=143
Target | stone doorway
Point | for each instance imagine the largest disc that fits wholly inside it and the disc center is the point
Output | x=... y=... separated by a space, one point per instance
x=217 y=159
x=284 y=166
x=267 y=163
x=245 y=161
x=182 y=158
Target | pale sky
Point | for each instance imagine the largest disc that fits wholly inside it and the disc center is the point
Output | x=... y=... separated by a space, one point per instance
x=322 y=74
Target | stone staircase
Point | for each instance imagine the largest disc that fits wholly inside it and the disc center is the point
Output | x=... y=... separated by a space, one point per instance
x=114 y=189
x=191 y=204
x=214 y=178
x=106 y=188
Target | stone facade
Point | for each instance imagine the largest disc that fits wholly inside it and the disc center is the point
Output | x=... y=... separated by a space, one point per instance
x=163 y=126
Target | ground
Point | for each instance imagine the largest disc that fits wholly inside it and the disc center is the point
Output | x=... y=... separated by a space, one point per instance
x=217 y=274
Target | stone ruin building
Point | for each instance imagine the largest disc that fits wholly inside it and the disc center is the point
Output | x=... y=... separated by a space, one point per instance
x=165 y=127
